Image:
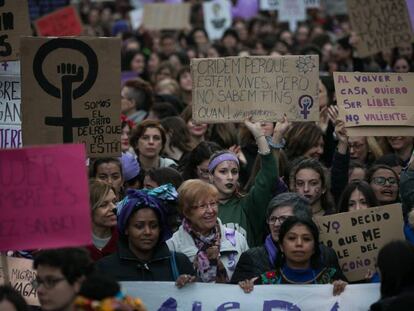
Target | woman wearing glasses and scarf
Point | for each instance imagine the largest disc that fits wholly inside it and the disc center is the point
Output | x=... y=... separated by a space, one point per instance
x=142 y=253
x=385 y=183
x=213 y=249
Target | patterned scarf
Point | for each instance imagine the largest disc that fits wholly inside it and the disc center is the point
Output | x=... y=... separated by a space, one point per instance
x=207 y=262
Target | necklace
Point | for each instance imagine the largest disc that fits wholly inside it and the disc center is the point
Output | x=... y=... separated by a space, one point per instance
x=313 y=280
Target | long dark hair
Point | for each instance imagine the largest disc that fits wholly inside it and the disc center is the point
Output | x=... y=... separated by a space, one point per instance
x=396 y=275
x=313 y=228
x=364 y=188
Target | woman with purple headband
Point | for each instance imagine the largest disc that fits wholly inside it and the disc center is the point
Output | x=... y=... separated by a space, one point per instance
x=246 y=214
x=142 y=252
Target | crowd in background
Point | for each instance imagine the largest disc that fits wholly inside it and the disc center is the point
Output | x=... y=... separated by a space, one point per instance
x=230 y=202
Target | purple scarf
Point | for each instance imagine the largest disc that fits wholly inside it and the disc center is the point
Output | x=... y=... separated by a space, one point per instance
x=271 y=249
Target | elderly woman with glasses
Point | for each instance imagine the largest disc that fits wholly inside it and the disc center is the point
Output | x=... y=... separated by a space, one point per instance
x=213 y=249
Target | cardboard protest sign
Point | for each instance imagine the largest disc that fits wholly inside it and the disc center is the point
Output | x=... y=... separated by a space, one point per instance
x=44 y=197
x=269 y=5
x=10 y=121
x=19 y=275
x=63 y=22
x=71 y=93
x=217 y=18
x=14 y=22
x=166 y=16
x=292 y=11
x=380 y=25
x=358 y=236
x=376 y=104
x=235 y=88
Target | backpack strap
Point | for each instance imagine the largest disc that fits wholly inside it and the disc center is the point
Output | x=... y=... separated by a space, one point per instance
x=174 y=268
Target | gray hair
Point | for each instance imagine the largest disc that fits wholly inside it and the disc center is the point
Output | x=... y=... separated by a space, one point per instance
x=300 y=205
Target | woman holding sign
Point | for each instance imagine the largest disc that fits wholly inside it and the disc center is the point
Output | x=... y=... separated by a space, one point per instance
x=247 y=213
x=299 y=261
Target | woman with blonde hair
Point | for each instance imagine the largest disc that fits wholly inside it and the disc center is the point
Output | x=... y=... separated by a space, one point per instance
x=102 y=201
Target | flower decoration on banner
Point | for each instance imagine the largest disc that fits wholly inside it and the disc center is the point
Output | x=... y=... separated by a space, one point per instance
x=109 y=304
x=305 y=64
x=130 y=123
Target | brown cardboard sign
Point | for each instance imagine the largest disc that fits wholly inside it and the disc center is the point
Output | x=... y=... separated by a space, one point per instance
x=378 y=104
x=14 y=22
x=358 y=236
x=71 y=93
x=380 y=25
x=265 y=88
x=19 y=275
x=159 y=16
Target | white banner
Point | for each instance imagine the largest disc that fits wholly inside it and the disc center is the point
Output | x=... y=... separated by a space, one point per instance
x=220 y=297
x=217 y=18
x=10 y=120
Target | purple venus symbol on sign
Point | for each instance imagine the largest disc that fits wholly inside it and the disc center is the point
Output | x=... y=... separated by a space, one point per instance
x=305 y=103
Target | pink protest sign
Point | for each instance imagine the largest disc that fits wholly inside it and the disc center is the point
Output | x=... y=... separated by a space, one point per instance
x=44 y=198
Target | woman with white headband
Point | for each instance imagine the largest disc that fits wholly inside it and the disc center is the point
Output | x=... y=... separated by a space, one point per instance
x=246 y=214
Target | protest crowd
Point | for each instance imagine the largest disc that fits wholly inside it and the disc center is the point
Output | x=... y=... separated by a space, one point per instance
x=192 y=200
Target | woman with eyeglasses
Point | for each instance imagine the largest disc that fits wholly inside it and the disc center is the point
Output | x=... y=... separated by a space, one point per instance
x=258 y=260
x=385 y=183
x=299 y=259
x=212 y=248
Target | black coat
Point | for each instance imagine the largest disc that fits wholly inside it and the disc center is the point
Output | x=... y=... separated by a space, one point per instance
x=125 y=266
x=401 y=302
x=256 y=261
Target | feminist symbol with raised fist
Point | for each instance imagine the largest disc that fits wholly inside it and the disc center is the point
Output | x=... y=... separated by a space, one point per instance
x=69 y=74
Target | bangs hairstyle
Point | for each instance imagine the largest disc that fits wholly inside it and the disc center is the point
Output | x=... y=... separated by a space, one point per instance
x=98 y=190
x=140 y=131
x=191 y=192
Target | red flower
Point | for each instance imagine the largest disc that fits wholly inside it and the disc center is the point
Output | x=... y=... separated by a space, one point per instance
x=270 y=275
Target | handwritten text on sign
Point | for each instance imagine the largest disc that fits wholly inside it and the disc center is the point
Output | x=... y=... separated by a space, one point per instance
x=14 y=22
x=235 y=88
x=381 y=100
x=358 y=236
x=380 y=24
x=20 y=274
x=65 y=93
x=44 y=197
x=10 y=121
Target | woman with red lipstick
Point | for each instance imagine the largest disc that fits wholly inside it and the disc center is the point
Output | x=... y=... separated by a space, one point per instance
x=299 y=259
x=246 y=214
x=213 y=249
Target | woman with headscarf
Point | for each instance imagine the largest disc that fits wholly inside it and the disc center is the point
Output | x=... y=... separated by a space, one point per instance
x=142 y=252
